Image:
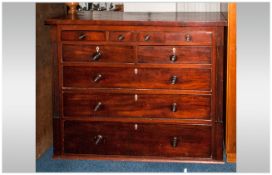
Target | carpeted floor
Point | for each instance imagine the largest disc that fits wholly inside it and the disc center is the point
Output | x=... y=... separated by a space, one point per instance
x=46 y=164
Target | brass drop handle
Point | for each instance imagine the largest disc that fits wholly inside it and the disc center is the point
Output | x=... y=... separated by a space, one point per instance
x=174 y=107
x=188 y=37
x=173 y=79
x=97 y=78
x=173 y=57
x=174 y=142
x=82 y=36
x=121 y=37
x=97 y=54
x=98 y=105
x=98 y=139
x=147 y=37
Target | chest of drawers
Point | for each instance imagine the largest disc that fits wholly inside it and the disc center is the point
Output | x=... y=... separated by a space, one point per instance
x=138 y=86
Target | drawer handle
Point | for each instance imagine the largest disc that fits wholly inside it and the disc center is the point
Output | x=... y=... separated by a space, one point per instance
x=98 y=105
x=174 y=107
x=173 y=57
x=82 y=36
x=97 y=54
x=121 y=37
x=98 y=139
x=173 y=80
x=147 y=37
x=188 y=37
x=174 y=142
x=97 y=78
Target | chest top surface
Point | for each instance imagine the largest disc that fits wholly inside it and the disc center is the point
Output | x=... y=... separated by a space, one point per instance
x=142 y=18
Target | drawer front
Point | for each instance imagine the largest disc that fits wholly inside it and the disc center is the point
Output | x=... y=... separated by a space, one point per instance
x=95 y=53
x=151 y=37
x=142 y=78
x=174 y=54
x=137 y=139
x=121 y=36
x=98 y=77
x=174 y=78
x=137 y=105
x=189 y=37
x=81 y=35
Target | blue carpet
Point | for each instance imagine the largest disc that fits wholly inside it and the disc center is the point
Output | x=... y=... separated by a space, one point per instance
x=46 y=164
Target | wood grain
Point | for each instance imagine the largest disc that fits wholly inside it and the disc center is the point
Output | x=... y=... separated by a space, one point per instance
x=126 y=139
x=231 y=86
x=137 y=105
x=156 y=78
x=109 y=53
x=133 y=82
x=184 y=54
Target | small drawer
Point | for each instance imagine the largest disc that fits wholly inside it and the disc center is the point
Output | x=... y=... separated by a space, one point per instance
x=184 y=106
x=140 y=78
x=121 y=36
x=83 y=35
x=190 y=37
x=137 y=139
x=175 y=54
x=98 y=53
x=157 y=37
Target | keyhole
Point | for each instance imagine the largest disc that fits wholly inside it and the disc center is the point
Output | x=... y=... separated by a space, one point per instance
x=135 y=71
x=136 y=126
x=135 y=97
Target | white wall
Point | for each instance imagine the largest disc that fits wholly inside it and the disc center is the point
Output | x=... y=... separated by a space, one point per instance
x=198 y=7
x=172 y=7
x=150 y=7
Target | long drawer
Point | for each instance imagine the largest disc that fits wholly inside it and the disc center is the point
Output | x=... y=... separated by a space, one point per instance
x=137 y=105
x=137 y=139
x=141 y=78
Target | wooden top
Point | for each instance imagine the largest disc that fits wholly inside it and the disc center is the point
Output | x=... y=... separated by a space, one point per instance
x=143 y=18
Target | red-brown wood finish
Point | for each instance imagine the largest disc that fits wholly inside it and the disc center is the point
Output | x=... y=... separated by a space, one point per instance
x=109 y=53
x=144 y=78
x=120 y=94
x=184 y=54
x=137 y=139
x=121 y=36
x=189 y=36
x=83 y=35
x=137 y=105
x=151 y=36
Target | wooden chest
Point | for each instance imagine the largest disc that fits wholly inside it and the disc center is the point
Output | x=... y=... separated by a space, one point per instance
x=138 y=86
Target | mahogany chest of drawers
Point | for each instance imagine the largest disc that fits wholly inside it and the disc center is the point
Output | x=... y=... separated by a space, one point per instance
x=138 y=86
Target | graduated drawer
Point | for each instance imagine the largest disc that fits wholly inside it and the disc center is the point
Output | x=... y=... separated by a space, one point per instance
x=175 y=54
x=98 y=53
x=149 y=36
x=121 y=36
x=190 y=36
x=137 y=105
x=137 y=139
x=83 y=35
x=141 y=78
